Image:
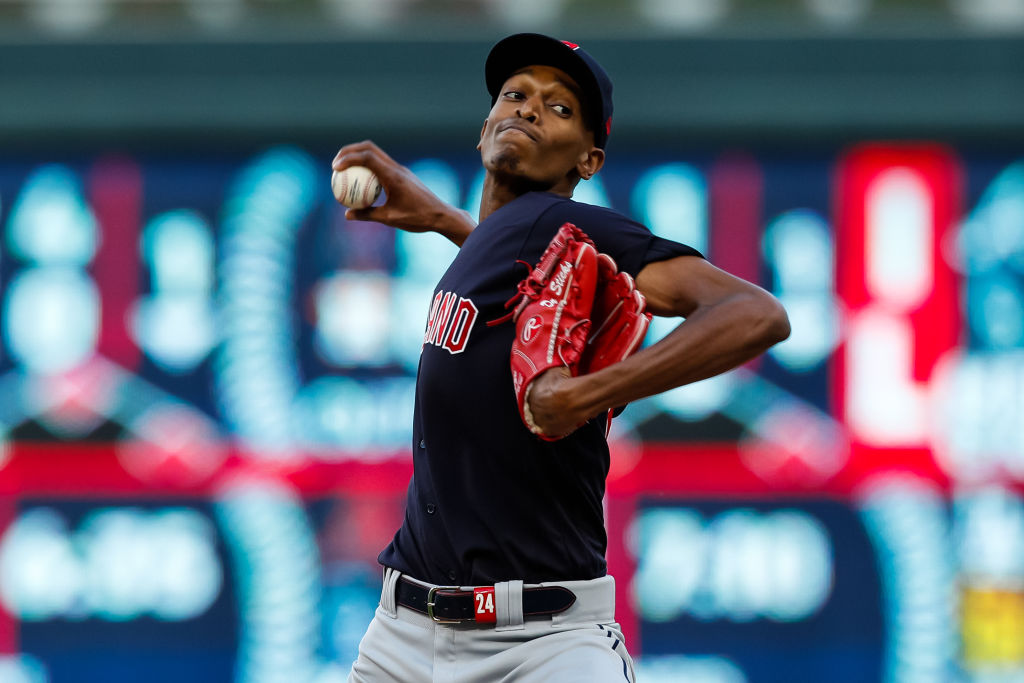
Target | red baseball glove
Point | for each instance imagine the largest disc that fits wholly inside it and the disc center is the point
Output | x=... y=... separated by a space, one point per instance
x=619 y=319
x=572 y=291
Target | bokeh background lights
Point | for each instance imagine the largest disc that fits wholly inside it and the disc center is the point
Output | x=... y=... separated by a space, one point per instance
x=207 y=373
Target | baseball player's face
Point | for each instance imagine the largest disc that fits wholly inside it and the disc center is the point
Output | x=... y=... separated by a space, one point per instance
x=535 y=132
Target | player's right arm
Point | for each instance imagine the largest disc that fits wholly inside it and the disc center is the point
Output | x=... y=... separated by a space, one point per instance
x=410 y=205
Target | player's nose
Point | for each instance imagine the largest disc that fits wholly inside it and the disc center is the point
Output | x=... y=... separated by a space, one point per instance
x=527 y=109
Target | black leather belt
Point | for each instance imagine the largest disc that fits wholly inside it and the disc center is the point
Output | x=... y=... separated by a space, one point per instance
x=451 y=604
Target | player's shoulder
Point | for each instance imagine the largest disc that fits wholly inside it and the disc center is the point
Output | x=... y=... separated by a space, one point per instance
x=583 y=215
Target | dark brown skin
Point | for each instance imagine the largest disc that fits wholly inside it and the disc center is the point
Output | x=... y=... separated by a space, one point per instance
x=410 y=205
x=534 y=138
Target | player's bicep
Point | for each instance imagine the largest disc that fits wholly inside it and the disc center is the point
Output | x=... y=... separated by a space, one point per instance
x=679 y=286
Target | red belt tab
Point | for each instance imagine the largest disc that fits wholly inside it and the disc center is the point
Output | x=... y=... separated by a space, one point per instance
x=483 y=605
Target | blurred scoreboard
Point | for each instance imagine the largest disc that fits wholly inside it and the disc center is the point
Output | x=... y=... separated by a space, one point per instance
x=206 y=382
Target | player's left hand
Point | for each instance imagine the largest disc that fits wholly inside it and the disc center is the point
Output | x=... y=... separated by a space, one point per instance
x=551 y=403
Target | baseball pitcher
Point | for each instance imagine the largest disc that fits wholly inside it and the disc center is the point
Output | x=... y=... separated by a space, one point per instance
x=498 y=572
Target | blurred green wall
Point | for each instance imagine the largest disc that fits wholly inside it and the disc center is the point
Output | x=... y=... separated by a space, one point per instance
x=711 y=89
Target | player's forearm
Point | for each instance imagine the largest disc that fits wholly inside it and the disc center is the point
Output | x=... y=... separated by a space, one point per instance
x=455 y=224
x=712 y=340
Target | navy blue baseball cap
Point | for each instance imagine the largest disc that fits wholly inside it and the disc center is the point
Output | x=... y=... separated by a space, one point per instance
x=523 y=49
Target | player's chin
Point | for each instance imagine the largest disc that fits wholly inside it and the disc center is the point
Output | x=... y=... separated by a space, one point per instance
x=507 y=159
x=515 y=169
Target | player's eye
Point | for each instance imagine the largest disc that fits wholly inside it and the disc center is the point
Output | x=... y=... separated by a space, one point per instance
x=562 y=110
x=514 y=95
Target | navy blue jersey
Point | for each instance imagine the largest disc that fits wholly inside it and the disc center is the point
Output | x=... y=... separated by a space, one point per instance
x=489 y=501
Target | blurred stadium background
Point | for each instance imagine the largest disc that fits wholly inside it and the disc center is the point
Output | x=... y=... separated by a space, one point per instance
x=206 y=372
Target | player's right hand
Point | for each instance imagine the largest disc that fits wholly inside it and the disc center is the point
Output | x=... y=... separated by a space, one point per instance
x=409 y=204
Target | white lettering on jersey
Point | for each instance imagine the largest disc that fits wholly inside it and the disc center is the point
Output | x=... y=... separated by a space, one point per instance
x=462 y=324
x=443 y=316
x=432 y=318
x=450 y=322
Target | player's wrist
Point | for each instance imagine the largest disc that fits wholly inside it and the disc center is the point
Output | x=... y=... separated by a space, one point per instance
x=588 y=395
x=454 y=224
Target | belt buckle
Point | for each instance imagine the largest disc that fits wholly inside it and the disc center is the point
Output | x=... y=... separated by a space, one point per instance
x=430 y=604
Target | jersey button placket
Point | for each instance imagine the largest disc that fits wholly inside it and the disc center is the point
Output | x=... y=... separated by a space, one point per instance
x=431 y=508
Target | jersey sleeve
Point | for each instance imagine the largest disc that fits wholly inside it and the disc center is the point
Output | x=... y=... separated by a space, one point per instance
x=630 y=243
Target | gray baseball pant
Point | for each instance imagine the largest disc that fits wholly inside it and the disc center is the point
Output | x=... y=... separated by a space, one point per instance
x=583 y=643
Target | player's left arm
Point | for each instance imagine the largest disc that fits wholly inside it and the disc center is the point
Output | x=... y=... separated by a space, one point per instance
x=727 y=322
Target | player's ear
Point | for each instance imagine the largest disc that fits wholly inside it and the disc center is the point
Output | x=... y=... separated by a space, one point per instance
x=590 y=162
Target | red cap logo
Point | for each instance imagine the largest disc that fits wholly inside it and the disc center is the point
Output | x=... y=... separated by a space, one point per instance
x=573 y=46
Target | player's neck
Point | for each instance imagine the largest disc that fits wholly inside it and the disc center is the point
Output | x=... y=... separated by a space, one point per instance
x=499 y=191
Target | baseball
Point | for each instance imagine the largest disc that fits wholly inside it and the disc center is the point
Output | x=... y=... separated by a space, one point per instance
x=356 y=187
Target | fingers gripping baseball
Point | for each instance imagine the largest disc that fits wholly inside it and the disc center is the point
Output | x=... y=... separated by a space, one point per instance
x=409 y=204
